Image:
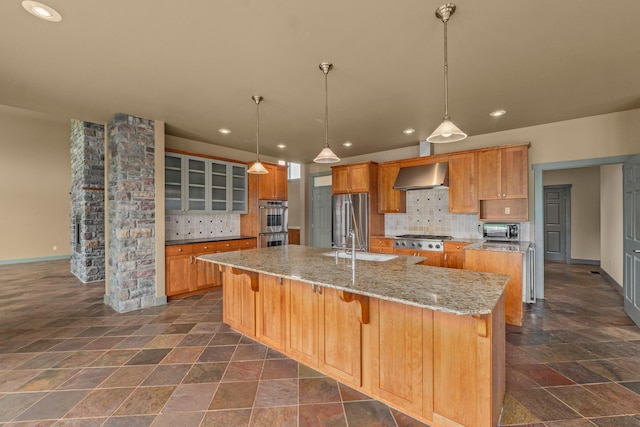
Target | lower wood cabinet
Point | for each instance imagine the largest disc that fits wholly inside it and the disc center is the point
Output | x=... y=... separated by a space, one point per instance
x=441 y=368
x=454 y=254
x=185 y=275
x=501 y=262
x=381 y=245
x=432 y=258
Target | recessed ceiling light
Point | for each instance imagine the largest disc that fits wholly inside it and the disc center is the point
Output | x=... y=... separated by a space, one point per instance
x=408 y=131
x=347 y=143
x=224 y=130
x=42 y=11
x=281 y=146
x=498 y=113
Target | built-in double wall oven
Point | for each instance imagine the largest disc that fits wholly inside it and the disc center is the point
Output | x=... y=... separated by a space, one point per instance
x=273 y=221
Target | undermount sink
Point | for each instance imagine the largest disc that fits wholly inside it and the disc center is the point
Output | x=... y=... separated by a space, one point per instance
x=362 y=256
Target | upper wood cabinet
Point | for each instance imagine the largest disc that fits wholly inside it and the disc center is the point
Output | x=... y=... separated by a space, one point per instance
x=354 y=178
x=390 y=200
x=463 y=183
x=503 y=173
x=274 y=185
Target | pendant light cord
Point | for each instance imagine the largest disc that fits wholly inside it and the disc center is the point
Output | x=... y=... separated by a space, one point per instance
x=326 y=109
x=446 y=74
x=257 y=129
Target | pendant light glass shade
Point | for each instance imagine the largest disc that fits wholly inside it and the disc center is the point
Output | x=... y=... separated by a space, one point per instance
x=447 y=131
x=257 y=167
x=326 y=155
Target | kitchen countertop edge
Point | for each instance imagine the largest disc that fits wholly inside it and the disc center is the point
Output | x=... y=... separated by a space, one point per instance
x=206 y=240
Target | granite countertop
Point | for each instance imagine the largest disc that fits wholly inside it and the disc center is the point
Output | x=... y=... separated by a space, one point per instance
x=206 y=240
x=485 y=245
x=400 y=279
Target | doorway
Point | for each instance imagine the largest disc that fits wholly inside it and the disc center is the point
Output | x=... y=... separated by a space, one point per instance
x=321 y=210
x=557 y=223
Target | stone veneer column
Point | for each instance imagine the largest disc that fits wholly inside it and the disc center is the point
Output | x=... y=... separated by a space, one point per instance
x=87 y=201
x=131 y=206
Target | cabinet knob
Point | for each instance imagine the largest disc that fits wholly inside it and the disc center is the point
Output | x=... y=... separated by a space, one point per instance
x=457 y=247
x=206 y=247
x=179 y=249
x=228 y=244
x=504 y=195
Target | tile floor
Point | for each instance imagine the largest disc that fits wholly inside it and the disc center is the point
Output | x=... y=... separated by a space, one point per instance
x=66 y=359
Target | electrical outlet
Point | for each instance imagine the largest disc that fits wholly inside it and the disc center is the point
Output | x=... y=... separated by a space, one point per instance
x=507 y=211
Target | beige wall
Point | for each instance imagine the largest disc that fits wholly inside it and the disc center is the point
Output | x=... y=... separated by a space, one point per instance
x=35 y=179
x=611 y=222
x=585 y=209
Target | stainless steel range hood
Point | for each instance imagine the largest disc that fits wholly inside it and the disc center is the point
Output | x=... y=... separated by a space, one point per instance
x=433 y=175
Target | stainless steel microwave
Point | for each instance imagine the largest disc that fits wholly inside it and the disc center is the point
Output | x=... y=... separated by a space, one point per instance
x=501 y=232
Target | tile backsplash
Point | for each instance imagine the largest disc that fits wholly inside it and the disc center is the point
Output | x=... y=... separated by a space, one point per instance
x=200 y=225
x=428 y=213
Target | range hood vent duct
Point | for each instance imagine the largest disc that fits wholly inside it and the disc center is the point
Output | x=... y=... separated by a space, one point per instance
x=433 y=175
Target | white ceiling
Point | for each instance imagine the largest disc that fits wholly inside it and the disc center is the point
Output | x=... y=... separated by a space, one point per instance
x=196 y=63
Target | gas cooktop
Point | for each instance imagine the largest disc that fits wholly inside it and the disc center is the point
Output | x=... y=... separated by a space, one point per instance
x=425 y=242
x=423 y=236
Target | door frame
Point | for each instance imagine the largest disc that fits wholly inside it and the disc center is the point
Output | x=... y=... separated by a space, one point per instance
x=312 y=177
x=567 y=219
x=538 y=207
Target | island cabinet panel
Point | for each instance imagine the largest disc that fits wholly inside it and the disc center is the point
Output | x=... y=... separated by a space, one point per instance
x=341 y=340
x=463 y=183
x=270 y=312
x=396 y=354
x=302 y=321
x=239 y=299
x=501 y=262
x=468 y=369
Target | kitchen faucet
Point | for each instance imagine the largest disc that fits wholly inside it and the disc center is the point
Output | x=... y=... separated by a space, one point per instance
x=352 y=234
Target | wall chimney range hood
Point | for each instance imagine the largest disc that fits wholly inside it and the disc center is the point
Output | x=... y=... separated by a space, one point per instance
x=433 y=175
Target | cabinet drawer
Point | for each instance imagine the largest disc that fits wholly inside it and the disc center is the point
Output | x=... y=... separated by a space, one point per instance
x=454 y=246
x=382 y=242
x=382 y=249
x=229 y=245
x=248 y=244
x=178 y=250
x=208 y=248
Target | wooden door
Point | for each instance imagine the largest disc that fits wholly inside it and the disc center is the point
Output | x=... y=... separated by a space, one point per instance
x=463 y=183
x=267 y=183
x=489 y=174
x=178 y=269
x=340 y=180
x=396 y=354
x=270 y=312
x=514 y=169
x=302 y=311
x=341 y=338
x=239 y=300
x=359 y=178
x=389 y=199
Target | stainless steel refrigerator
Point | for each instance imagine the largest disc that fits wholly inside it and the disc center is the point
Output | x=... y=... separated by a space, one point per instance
x=351 y=212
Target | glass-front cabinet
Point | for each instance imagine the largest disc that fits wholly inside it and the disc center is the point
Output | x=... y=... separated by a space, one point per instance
x=206 y=185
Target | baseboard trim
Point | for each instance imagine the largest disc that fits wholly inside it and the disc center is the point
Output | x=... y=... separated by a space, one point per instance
x=26 y=260
x=156 y=301
x=613 y=281
x=585 y=261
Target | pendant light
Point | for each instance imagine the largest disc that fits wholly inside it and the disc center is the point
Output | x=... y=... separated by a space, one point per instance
x=447 y=131
x=257 y=166
x=326 y=155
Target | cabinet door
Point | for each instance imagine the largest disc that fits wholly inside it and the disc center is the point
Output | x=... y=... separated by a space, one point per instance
x=434 y=259
x=463 y=183
x=359 y=178
x=239 y=189
x=270 y=310
x=218 y=184
x=267 y=183
x=454 y=254
x=489 y=175
x=196 y=183
x=514 y=169
x=339 y=179
x=341 y=338
x=239 y=300
x=281 y=183
x=178 y=268
x=396 y=354
x=302 y=323
x=205 y=273
x=390 y=200
x=173 y=182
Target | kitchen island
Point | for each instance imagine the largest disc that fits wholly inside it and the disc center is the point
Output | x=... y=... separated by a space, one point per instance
x=428 y=341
